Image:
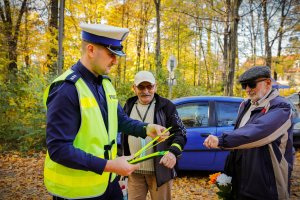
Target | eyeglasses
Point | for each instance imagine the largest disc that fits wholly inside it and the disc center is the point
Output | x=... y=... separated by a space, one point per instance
x=142 y=87
x=251 y=84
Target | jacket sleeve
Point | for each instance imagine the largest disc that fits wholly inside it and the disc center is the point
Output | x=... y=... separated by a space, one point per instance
x=178 y=140
x=262 y=130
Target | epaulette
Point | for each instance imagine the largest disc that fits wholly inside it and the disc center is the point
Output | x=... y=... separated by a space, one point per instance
x=73 y=77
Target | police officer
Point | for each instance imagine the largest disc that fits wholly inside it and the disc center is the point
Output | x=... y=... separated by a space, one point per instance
x=83 y=118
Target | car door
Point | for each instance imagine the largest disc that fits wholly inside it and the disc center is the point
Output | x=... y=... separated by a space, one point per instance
x=226 y=114
x=196 y=118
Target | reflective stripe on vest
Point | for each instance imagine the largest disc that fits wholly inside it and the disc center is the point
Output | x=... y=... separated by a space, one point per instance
x=92 y=138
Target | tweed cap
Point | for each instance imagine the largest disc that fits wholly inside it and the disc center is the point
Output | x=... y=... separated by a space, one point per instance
x=255 y=73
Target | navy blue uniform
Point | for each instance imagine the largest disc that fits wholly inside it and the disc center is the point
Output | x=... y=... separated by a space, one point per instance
x=64 y=119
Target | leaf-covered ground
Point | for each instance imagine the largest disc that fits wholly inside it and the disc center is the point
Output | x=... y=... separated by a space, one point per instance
x=22 y=178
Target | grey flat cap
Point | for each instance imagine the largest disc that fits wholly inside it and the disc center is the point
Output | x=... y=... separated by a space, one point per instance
x=255 y=73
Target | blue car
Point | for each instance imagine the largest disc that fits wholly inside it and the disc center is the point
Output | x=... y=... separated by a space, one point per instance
x=203 y=116
x=295 y=122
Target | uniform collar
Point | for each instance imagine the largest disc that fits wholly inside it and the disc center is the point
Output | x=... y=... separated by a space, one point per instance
x=86 y=74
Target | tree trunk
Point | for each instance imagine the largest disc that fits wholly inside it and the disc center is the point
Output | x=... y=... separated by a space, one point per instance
x=198 y=23
x=53 y=29
x=157 y=48
x=281 y=29
x=118 y=79
x=200 y=54
x=26 y=35
x=209 y=65
x=61 y=36
x=140 y=39
x=226 y=46
x=195 y=62
x=125 y=13
x=253 y=35
x=12 y=33
x=206 y=67
x=178 y=37
x=233 y=44
x=268 y=51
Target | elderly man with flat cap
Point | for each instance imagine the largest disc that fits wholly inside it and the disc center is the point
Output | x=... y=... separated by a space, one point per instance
x=83 y=118
x=260 y=162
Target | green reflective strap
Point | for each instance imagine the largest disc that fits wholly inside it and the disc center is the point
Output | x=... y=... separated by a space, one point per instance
x=152 y=155
x=150 y=143
x=177 y=145
x=158 y=143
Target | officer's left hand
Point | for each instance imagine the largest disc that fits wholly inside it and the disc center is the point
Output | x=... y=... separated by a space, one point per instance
x=168 y=160
x=121 y=166
x=154 y=130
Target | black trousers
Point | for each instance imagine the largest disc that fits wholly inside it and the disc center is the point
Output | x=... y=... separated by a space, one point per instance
x=113 y=192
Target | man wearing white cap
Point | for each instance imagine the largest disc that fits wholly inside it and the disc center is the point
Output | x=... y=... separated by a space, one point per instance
x=154 y=175
x=83 y=118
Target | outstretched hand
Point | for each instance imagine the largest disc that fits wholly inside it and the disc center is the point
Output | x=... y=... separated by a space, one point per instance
x=211 y=142
x=154 y=130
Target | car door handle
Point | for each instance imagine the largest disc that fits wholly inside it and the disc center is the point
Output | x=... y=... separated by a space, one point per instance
x=205 y=134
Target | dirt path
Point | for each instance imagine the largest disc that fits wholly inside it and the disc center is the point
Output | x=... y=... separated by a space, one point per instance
x=22 y=178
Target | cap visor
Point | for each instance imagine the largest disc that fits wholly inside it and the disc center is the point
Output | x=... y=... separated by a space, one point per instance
x=117 y=52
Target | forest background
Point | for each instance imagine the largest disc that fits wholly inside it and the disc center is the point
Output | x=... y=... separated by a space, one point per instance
x=213 y=42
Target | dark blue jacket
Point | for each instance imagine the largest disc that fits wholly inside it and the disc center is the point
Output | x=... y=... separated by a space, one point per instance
x=261 y=163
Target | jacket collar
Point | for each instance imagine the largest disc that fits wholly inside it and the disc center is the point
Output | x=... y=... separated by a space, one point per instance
x=273 y=94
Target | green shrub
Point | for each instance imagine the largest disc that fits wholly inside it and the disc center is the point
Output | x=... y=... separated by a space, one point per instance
x=22 y=114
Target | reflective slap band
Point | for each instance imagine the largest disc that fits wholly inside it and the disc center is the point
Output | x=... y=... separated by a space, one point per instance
x=150 y=143
x=177 y=145
x=144 y=158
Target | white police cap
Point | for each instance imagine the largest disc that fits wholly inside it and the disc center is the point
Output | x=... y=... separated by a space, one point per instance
x=110 y=37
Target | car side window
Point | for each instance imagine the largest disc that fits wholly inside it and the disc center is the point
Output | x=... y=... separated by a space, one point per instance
x=194 y=114
x=227 y=113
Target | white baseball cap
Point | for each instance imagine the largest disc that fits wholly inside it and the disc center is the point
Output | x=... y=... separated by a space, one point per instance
x=144 y=76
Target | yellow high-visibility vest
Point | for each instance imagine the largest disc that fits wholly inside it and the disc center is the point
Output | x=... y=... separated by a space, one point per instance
x=92 y=136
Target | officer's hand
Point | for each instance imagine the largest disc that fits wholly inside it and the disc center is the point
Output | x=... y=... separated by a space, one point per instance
x=211 y=141
x=168 y=160
x=154 y=130
x=121 y=166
